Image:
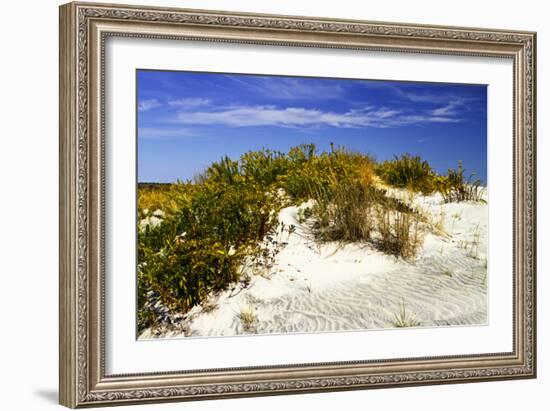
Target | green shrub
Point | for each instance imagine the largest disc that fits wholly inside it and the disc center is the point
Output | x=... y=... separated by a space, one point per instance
x=300 y=154
x=314 y=176
x=166 y=197
x=224 y=171
x=407 y=171
x=185 y=271
x=454 y=187
x=200 y=249
x=264 y=166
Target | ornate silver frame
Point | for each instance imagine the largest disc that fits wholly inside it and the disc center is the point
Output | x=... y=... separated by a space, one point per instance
x=83 y=30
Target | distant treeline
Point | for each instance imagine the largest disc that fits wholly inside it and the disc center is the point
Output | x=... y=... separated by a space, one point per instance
x=151 y=185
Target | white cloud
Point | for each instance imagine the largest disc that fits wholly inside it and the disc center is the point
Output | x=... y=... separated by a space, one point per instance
x=450 y=109
x=288 y=88
x=191 y=102
x=422 y=97
x=452 y=100
x=145 y=105
x=249 y=116
x=420 y=119
x=163 y=132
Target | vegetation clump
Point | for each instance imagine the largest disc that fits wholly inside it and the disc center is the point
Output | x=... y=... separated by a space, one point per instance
x=400 y=233
x=248 y=319
x=409 y=172
x=403 y=319
x=206 y=230
x=454 y=187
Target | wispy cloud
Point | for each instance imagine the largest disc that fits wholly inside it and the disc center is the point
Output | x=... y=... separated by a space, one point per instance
x=164 y=132
x=451 y=109
x=421 y=97
x=289 y=88
x=145 y=105
x=250 y=116
x=447 y=104
x=191 y=102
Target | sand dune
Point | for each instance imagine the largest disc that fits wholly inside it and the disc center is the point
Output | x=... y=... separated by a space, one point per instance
x=335 y=287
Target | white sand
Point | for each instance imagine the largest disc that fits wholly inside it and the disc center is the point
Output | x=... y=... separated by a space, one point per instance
x=334 y=287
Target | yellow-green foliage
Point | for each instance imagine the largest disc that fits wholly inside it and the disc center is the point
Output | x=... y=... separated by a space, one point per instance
x=166 y=197
x=248 y=318
x=315 y=176
x=408 y=171
x=211 y=225
x=454 y=187
x=200 y=248
x=264 y=166
x=342 y=183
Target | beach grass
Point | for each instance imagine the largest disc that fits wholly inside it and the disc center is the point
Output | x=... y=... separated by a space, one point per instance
x=206 y=229
x=404 y=319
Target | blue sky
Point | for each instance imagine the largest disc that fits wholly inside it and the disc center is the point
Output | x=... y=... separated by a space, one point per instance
x=187 y=120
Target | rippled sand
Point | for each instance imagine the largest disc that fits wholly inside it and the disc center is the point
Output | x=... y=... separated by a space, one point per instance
x=333 y=287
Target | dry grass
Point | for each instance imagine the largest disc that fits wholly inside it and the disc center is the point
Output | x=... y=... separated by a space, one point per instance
x=209 y=306
x=356 y=211
x=448 y=273
x=248 y=318
x=472 y=246
x=367 y=176
x=455 y=187
x=439 y=223
x=346 y=215
x=400 y=233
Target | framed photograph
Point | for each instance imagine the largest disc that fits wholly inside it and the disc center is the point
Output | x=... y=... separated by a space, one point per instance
x=259 y=204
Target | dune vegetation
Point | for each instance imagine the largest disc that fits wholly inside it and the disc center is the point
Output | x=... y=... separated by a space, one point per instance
x=195 y=236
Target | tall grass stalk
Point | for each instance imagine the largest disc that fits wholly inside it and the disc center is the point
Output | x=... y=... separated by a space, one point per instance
x=455 y=187
x=399 y=233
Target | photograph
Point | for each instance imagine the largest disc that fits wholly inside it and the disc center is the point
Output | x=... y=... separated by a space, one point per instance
x=272 y=204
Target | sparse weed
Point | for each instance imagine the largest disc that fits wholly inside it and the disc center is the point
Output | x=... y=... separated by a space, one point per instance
x=472 y=246
x=439 y=223
x=454 y=187
x=402 y=319
x=484 y=278
x=209 y=306
x=248 y=318
x=304 y=214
